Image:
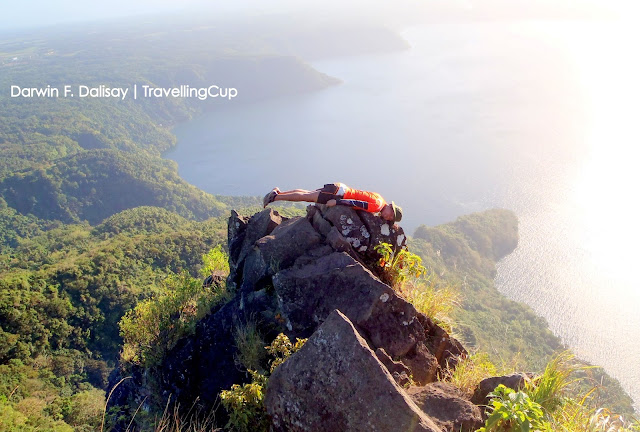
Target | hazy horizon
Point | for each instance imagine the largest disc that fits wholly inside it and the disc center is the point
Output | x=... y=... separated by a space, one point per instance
x=41 y=13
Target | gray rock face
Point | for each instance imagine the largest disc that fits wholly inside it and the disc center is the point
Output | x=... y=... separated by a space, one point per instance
x=243 y=232
x=398 y=370
x=278 y=250
x=446 y=406
x=347 y=221
x=386 y=320
x=336 y=383
x=260 y=225
x=383 y=232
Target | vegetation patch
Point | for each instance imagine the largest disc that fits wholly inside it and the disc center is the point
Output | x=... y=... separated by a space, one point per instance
x=245 y=403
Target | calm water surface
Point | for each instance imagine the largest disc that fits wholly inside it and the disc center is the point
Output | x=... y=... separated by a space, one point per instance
x=541 y=118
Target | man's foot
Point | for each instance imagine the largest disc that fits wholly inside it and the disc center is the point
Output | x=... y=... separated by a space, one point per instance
x=268 y=198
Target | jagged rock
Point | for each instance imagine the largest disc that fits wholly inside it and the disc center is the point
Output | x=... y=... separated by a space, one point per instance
x=338 y=242
x=236 y=229
x=243 y=232
x=448 y=408
x=260 y=225
x=398 y=371
x=514 y=381
x=423 y=365
x=383 y=232
x=390 y=364
x=446 y=349
x=319 y=223
x=336 y=383
x=307 y=293
x=278 y=250
x=348 y=223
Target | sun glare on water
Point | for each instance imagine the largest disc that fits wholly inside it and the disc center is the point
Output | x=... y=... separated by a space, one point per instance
x=604 y=194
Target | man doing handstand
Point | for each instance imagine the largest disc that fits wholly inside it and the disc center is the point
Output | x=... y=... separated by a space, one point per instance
x=339 y=194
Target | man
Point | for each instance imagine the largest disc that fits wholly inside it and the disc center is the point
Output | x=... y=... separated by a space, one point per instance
x=339 y=194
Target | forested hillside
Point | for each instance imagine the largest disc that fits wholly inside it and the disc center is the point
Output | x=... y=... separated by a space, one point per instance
x=93 y=185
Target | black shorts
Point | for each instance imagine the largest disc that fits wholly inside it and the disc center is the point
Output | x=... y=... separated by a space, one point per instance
x=328 y=192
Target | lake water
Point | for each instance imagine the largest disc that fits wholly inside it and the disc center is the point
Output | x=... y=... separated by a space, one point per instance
x=538 y=117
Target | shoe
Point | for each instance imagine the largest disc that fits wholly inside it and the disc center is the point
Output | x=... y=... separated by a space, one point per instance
x=268 y=198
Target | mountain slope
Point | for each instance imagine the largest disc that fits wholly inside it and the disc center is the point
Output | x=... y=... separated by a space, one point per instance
x=96 y=184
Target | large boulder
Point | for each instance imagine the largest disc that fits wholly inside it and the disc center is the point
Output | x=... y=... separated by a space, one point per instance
x=309 y=292
x=447 y=406
x=336 y=383
x=260 y=225
x=243 y=232
x=277 y=251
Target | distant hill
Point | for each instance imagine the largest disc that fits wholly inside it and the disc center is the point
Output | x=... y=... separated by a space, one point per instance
x=464 y=253
x=96 y=184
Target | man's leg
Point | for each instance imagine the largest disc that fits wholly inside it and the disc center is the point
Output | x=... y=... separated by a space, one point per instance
x=292 y=191
x=321 y=195
x=298 y=195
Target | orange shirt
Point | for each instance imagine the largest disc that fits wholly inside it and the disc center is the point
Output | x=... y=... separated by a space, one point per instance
x=362 y=200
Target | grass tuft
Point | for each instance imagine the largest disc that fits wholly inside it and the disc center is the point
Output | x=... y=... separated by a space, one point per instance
x=435 y=300
x=251 y=346
x=469 y=371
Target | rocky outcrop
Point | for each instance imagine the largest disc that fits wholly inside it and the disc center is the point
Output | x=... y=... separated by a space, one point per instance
x=387 y=320
x=447 y=407
x=292 y=275
x=336 y=383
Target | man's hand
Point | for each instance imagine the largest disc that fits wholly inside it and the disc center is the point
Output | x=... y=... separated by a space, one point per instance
x=331 y=203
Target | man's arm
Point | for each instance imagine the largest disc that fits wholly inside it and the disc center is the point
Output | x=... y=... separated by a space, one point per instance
x=357 y=204
x=370 y=207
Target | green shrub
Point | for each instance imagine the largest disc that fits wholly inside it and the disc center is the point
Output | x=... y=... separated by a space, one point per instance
x=216 y=261
x=398 y=266
x=245 y=403
x=281 y=349
x=565 y=408
x=550 y=403
x=154 y=326
x=86 y=409
x=513 y=411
